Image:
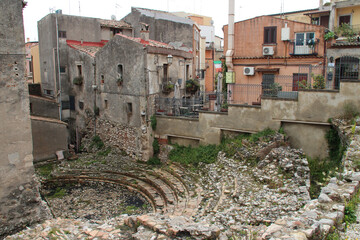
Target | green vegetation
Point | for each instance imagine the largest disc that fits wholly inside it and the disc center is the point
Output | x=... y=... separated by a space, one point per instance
x=45 y=170
x=78 y=80
x=329 y=35
x=154 y=161
x=350 y=210
x=319 y=81
x=194 y=156
x=97 y=142
x=105 y=152
x=264 y=135
x=59 y=193
x=321 y=170
x=153 y=122
x=156 y=147
x=345 y=30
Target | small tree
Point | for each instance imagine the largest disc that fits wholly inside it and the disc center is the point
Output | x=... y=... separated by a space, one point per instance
x=319 y=81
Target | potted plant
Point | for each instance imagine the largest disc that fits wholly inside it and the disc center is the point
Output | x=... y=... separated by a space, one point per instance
x=168 y=87
x=78 y=80
x=192 y=86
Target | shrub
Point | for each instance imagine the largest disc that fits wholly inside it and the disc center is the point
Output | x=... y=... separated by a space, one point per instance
x=350 y=111
x=78 y=80
x=153 y=122
x=154 y=161
x=97 y=142
x=319 y=81
x=156 y=147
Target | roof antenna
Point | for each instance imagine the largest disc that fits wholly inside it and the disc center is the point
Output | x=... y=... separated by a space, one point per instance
x=282 y=9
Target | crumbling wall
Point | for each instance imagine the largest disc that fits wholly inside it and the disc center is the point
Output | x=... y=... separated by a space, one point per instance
x=20 y=201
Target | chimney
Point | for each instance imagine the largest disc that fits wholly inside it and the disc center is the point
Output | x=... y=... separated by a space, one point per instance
x=144 y=32
x=230 y=50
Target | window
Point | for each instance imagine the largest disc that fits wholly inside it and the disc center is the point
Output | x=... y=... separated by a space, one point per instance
x=303 y=39
x=269 y=35
x=106 y=104
x=72 y=103
x=315 y=21
x=62 y=69
x=299 y=81
x=120 y=70
x=345 y=19
x=47 y=92
x=129 y=107
x=81 y=105
x=62 y=34
x=102 y=78
x=79 y=70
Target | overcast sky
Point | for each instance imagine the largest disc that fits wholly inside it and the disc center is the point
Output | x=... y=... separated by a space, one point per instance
x=218 y=10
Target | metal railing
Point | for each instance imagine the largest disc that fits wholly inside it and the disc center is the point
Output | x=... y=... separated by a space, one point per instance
x=307 y=48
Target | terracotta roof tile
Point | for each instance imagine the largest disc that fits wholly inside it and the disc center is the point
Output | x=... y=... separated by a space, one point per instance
x=90 y=48
x=114 y=23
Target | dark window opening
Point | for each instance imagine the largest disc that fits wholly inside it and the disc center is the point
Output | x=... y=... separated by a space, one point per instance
x=315 y=21
x=344 y=19
x=72 y=102
x=79 y=69
x=165 y=72
x=120 y=70
x=62 y=34
x=116 y=31
x=62 y=69
x=269 y=35
x=102 y=78
x=129 y=107
x=81 y=105
x=106 y=104
x=47 y=92
x=31 y=108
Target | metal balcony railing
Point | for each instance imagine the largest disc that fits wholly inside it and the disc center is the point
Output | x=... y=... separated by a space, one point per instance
x=309 y=47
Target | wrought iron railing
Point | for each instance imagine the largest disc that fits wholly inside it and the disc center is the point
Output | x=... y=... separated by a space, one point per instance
x=307 y=47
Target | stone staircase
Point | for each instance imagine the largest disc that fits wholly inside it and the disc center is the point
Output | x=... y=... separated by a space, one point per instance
x=164 y=188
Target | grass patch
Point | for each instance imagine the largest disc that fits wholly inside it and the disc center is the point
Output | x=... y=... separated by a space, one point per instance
x=194 y=156
x=264 y=135
x=154 y=161
x=59 y=193
x=45 y=170
x=321 y=170
x=105 y=152
x=350 y=210
x=97 y=142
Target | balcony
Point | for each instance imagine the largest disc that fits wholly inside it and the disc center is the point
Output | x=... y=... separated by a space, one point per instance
x=304 y=47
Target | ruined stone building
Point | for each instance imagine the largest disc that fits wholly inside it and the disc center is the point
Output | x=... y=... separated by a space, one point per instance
x=20 y=201
x=130 y=73
x=180 y=32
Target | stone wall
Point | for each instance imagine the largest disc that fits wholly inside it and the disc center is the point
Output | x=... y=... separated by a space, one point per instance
x=40 y=106
x=49 y=136
x=20 y=201
x=310 y=113
x=117 y=136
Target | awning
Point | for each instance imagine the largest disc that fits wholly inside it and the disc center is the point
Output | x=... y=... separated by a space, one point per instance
x=267 y=69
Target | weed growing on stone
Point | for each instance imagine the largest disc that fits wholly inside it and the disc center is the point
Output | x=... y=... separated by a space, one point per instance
x=265 y=135
x=193 y=156
x=97 y=142
x=350 y=210
x=153 y=122
x=45 y=170
x=105 y=152
x=350 y=111
x=59 y=193
x=154 y=161
x=321 y=170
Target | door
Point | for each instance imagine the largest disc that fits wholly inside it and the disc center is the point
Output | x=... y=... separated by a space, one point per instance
x=324 y=21
x=299 y=81
x=304 y=43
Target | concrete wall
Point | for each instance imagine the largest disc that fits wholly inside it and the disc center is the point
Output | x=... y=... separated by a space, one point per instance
x=43 y=107
x=300 y=119
x=48 y=136
x=20 y=201
x=36 y=63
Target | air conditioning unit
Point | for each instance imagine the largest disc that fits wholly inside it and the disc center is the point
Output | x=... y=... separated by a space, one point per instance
x=268 y=50
x=249 y=71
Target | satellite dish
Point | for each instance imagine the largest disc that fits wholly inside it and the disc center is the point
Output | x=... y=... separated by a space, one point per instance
x=113 y=17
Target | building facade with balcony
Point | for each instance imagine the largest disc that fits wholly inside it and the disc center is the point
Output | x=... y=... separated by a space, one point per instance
x=269 y=57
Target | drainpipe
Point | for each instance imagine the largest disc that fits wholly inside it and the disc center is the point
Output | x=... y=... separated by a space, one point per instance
x=230 y=51
x=58 y=62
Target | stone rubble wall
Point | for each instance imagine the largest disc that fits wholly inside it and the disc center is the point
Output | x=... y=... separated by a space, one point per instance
x=319 y=217
x=117 y=136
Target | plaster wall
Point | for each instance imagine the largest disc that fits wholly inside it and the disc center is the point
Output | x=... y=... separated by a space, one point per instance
x=48 y=137
x=354 y=11
x=36 y=63
x=44 y=107
x=308 y=115
x=20 y=200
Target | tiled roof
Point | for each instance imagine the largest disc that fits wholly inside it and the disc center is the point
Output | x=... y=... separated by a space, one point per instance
x=90 y=48
x=114 y=23
x=346 y=44
x=164 y=15
x=148 y=43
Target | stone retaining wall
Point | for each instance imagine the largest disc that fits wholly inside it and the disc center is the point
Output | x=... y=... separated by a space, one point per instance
x=318 y=217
